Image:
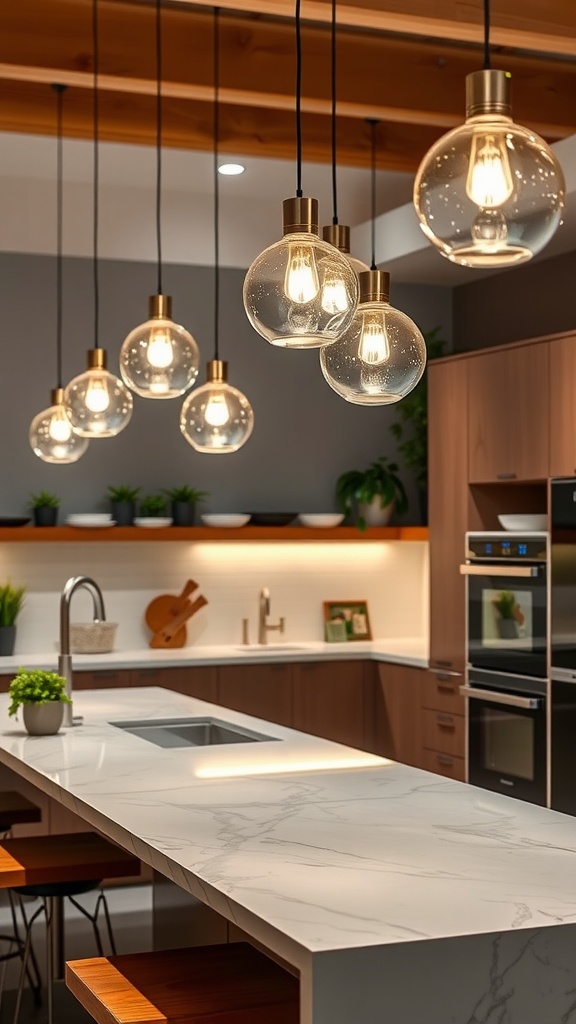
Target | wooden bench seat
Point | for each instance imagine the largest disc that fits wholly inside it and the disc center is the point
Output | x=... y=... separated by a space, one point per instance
x=40 y=860
x=224 y=984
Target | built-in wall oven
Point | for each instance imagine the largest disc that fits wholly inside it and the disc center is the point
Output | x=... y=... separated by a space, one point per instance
x=507 y=659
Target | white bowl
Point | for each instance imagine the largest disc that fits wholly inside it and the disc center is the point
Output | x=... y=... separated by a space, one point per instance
x=90 y=524
x=228 y=520
x=529 y=522
x=153 y=522
x=81 y=516
x=323 y=519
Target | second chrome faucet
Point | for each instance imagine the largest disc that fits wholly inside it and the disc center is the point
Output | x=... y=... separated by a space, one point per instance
x=265 y=627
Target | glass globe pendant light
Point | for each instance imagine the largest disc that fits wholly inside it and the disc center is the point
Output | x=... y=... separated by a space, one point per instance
x=159 y=359
x=216 y=418
x=51 y=435
x=489 y=193
x=98 y=403
x=382 y=355
x=300 y=292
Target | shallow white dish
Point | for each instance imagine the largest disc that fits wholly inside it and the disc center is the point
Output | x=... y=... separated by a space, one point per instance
x=153 y=522
x=530 y=522
x=323 y=519
x=91 y=524
x=228 y=520
x=77 y=517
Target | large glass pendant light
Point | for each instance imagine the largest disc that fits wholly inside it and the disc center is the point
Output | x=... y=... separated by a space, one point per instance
x=300 y=292
x=159 y=359
x=97 y=402
x=51 y=435
x=382 y=355
x=335 y=233
x=216 y=418
x=489 y=193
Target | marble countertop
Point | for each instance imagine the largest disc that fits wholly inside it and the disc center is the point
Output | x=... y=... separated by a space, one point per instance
x=402 y=651
x=309 y=846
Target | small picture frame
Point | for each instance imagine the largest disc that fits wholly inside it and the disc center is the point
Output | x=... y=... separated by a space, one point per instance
x=346 y=620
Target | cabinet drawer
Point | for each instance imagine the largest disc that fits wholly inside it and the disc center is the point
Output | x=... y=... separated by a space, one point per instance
x=101 y=679
x=444 y=732
x=443 y=764
x=441 y=692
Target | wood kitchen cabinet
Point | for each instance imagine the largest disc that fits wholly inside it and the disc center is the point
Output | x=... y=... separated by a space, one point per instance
x=332 y=700
x=443 y=724
x=199 y=681
x=264 y=691
x=99 y=679
x=563 y=407
x=508 y=414
x=398 y=713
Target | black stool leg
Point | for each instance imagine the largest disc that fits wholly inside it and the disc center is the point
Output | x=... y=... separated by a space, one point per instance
x=25 y=958
x=32 y=969
x=93 y=918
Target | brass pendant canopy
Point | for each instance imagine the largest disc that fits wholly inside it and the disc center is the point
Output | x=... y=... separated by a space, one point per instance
x=160 y=307
x=488 y=92
x=374 y=286
x=300 y=214
x=97 y=358
x=338 y=235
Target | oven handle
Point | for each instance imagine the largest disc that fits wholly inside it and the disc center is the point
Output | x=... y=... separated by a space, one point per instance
x=513 y=701
x=497 y=570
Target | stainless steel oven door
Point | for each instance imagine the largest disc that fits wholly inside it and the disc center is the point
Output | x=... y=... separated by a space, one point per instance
x=507 y=621
x=506 y=720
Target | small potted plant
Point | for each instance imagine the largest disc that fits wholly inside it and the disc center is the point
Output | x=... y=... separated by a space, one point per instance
x=371 y=495
x=11 y=601
x=44 y=508
x=123 y=504
x=510 y=616
x=42 y=696
x=153 y=506
x=183 y=502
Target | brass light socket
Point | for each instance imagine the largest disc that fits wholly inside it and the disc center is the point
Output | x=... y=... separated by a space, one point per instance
x=160 y=307
x=300 y=214
x=57 y=396
x=338 y=235
x=97 y=358
x=374 y=286
x=216 y=371
x=488 y=92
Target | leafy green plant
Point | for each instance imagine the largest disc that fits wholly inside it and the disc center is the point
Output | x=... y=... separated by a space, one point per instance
x=505 y=604
x=44 y=499
x=11 y=601
x=153 y=505
x=358 y=487
x=412 y=432
x=36 y=687
x=185 y=493
x=123 y=493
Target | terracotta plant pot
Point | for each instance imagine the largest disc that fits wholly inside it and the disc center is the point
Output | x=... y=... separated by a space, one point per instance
x=43 y=719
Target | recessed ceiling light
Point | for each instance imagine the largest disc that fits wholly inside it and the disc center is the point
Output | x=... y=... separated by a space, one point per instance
x=231 y=169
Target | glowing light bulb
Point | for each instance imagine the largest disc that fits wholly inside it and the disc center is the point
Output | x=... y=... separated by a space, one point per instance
x=59 y=427
x=51 y=435
x=97 y=396
x=160 y=354
x=334 y=293
x=374 y=347
x=489 y=182
x=301 y=283
x=217 y=413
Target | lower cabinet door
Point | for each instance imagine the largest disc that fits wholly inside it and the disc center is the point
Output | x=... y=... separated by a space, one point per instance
x=444 y=764
x=330 y=700
x=197 y=681
x=398 y=713
x=264 y=691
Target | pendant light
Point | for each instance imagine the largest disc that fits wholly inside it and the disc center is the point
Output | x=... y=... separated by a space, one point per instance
x=301 y=292
x=489 y=193
x=335 y=233
x=216 y=418
x=382 y=355
x=51 y=435
x=159 y=359
x=97 y=402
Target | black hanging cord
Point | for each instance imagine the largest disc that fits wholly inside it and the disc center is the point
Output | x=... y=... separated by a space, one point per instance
x=216 y=185
x=298 y=100
x=159 y=142
x=373 y=127
x=95 y=115
x=486 y=35
x=333 y=87
x=59 y=90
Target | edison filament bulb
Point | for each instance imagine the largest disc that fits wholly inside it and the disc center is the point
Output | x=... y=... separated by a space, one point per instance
x=301 y=292
x=489 y=193
x=159 y=359
x=216 y=418
x=382 y=356
x=51 y=435
x=97 y=402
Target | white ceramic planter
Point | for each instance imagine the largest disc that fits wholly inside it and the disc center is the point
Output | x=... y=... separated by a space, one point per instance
x=374 y=515
x=43 y=719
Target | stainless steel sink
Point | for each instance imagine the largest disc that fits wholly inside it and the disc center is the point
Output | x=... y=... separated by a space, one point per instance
x=190 y=732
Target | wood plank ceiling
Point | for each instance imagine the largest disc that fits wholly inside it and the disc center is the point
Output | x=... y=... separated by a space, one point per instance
x=400 y=61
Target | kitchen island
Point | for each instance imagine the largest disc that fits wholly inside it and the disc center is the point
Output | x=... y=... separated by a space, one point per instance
x=399 y=897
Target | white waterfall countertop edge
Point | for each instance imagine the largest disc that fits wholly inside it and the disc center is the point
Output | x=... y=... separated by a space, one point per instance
x=412 y=651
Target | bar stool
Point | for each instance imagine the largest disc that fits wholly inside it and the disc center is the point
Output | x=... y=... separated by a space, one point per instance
x=55 y=867
x=16 y=809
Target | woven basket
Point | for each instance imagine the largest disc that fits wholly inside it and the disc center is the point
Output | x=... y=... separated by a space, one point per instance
x=92 y=637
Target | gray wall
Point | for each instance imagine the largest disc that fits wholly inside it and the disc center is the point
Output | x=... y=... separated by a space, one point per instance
x=304 y=435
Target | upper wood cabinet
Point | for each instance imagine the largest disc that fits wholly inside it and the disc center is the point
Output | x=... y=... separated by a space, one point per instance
x=563 y=407
x=508 y=414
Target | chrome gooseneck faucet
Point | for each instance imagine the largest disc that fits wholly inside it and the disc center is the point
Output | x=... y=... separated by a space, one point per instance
x=64 y=658
x=264 y=626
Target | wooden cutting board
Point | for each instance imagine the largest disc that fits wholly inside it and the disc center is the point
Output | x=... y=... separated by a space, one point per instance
x=173 y=634
x=165 y=607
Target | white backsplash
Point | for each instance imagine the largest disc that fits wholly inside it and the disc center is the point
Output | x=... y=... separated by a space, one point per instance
x=392 y=576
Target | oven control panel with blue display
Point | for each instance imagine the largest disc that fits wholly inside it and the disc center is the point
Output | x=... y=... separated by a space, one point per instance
x=506 y=547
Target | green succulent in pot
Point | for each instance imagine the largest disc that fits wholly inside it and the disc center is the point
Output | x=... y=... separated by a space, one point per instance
x=183 y=502
x=123 y=504
x=44 y=507
x=379 y=484
x=42 y=696
x=153 y=505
